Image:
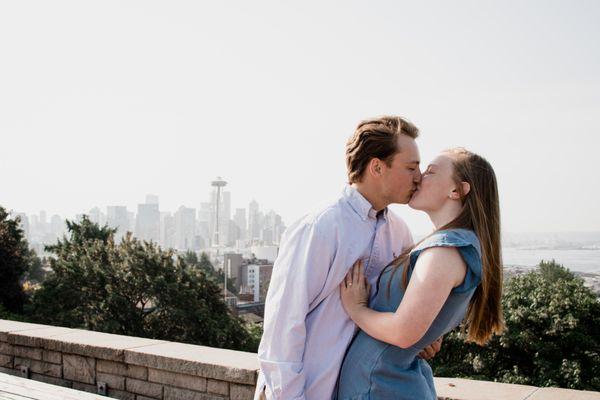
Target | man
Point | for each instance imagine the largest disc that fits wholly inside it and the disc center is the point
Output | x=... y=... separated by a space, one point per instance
x=306 y=330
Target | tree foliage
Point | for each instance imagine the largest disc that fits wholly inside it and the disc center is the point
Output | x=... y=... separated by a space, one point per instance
x=15 y=261
x=552 y=335
x=133 y=288
x=203 y=264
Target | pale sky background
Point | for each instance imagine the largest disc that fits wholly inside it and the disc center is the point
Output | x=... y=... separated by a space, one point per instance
x=103 y=102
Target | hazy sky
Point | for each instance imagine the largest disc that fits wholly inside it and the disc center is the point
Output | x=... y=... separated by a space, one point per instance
x=102 y=102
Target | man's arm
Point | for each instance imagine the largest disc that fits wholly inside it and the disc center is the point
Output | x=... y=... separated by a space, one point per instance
x=299 y=275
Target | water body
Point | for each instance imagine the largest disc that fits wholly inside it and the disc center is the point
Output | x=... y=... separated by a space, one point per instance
x=575 y=260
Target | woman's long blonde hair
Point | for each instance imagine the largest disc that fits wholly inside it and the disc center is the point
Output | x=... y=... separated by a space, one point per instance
x=480 y=213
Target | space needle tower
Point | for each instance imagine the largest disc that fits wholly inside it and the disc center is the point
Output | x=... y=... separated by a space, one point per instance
x=218 y=184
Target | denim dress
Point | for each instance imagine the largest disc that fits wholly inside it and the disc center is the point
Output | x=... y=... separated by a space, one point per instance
x=376 y=370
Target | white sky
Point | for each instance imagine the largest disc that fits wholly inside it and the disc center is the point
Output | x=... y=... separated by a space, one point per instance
x=103 y=102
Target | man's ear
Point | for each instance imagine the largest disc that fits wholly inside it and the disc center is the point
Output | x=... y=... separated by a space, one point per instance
x=375 y=167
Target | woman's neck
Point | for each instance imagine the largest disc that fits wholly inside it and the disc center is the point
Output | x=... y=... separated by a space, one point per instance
x=445 y=214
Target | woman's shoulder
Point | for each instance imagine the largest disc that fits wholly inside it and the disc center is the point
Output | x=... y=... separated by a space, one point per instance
x=455 y=237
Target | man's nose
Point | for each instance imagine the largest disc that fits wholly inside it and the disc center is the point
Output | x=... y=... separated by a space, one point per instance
x=417 y=178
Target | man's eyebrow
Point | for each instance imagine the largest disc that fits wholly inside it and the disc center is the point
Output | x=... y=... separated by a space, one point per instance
x=415 y=162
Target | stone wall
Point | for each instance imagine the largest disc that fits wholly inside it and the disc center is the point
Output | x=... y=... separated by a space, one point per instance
x=130 y=368
x=144 y=369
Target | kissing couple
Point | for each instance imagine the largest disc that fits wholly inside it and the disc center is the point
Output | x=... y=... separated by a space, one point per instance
x=355 y=307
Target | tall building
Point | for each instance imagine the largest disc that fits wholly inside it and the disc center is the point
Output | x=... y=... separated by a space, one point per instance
x=185 y=228
x=151 y=199
x=254 y=221
x=258 y=278
x=147 y=222
x=167 y=230
x=233 y=263
x=117 y=217
x=57 y=225
x=240 y=221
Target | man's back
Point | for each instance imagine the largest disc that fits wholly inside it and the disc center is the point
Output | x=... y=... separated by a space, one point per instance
x=306 y=330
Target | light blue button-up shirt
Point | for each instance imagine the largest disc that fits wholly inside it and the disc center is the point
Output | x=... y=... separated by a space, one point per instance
x=306 y=330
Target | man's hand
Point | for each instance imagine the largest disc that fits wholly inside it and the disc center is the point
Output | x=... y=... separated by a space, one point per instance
x=430 y=351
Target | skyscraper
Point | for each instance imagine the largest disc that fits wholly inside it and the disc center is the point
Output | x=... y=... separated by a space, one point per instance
x=147 y=222
x=117 y=217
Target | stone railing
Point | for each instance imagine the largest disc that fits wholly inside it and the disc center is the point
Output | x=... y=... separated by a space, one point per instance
x=131 y=368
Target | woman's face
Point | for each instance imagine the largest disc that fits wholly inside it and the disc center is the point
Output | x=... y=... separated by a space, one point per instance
x=437 y=185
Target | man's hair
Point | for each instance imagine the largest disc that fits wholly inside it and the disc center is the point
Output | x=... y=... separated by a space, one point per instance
x=375 y=138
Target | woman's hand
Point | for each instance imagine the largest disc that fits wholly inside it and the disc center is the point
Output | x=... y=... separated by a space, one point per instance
x=355 y=289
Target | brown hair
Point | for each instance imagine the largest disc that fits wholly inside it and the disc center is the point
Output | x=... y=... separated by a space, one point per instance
x=480 y=213
x=375 y=138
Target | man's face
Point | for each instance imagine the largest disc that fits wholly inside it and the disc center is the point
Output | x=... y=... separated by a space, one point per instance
x=400 y=180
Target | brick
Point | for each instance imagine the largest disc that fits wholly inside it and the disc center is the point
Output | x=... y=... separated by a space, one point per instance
x=52 y=357
x=241 y=392
x=218 y=387
x=10 y=371
x=183 y=394
x=6 y=361
x=6 y=349
x=140 y=397
x=119 y=368
x=180 y=380
x=113 y=381
x=39 y=367
x=84 y=387
x=27 y=352
x=80 y=369
x=149 y=389
x=119 y=394
x=51 y=380
x=137 y=372
x=111 y=367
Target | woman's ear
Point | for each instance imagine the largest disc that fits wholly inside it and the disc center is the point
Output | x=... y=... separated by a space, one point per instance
x=466 y=188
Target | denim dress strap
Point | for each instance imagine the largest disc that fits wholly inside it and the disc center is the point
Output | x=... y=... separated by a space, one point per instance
x=467 y=244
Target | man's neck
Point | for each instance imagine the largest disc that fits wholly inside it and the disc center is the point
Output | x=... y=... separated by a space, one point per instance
x=368 y=194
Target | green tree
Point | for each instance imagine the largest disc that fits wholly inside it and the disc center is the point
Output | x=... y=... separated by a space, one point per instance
x=133 y=288
x=552 y=335
x=15 y=261
x=203 y=264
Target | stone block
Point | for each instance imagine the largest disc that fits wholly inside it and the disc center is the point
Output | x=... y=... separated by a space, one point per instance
x=465 y=389
x=84 y=387
x=563 y=394
x=10 y=371
x=6 y=361
x=241 y=392
x=172 y=393
x=36 y=337
x=145 y=388
x=80 y=369
x=137 y=372
x=111 y=367
x=39 y=367
x=179 y=380
x=119 y=394
x=100 y=345
x=27 y=352
x=218 y=387
x=208 y=362
x=113 y=381
x=8 y=326
x=51 y=380
x=6 y=349
x=53 y=357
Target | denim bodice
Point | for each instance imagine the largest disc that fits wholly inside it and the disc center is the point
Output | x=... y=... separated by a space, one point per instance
x=376 y=370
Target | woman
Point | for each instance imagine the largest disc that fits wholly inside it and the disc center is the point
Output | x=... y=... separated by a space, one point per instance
x=423 y=294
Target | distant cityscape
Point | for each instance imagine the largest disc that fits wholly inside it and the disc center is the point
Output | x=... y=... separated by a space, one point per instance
x=245 y=240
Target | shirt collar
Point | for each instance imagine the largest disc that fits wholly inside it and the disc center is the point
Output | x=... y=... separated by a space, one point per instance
x=361 y=205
